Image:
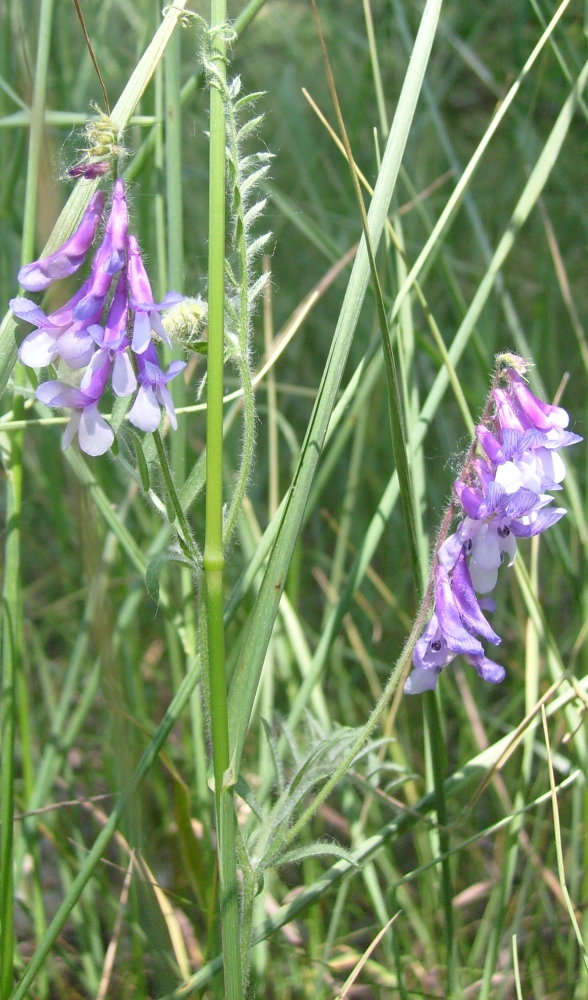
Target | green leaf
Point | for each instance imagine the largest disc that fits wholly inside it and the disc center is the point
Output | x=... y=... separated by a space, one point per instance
x=190 y=848
x=310 y=851
x=246 y=677
x=248 y=795
x=141 y=463
x=275 y=753
x=155 y=567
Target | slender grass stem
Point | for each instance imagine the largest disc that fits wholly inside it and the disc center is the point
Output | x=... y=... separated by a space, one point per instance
x=11 y=610
x=11 y=662
x=213 y=548
x=175 y=228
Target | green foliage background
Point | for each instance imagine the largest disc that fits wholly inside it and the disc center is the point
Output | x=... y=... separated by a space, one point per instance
x=498 y=889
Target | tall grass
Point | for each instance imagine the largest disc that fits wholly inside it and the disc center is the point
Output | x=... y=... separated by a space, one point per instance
x=211 y=783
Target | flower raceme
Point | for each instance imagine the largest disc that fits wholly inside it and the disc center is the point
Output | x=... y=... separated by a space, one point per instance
x=503 y=496
x=77 y=335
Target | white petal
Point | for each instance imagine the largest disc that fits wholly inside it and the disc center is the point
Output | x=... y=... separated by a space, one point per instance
x=421 y=680
x=509 y=545
x=123 y=376
x=71 y=429
x=158 y=327
x=82 y=361
x=95 y=435
x=508 y=475
x=484 y=580
x=145 y=413
x=38 y=350
x=164 y=397
x=486 y=550
x=449 y=551
x=141 y=333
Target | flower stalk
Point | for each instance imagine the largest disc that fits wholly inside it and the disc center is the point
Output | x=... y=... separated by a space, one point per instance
x=213 y=548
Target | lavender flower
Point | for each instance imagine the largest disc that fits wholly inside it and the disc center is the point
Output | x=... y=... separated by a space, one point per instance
x=502 y=495
x=57 y=335
x=94 y=434
x=153 y=392
x=36 y=277
x=99 y=283
x=116 y=229
x=147 y=311
x=113 y=340
x=78 y=334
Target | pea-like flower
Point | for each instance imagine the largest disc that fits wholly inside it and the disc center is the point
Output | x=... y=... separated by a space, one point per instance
x=57 y=335
x=94 y=434
x=78 y=334
x=116 y=229
x=503 y=497
x=153 y=392
x=147 y=312
x=66 y=260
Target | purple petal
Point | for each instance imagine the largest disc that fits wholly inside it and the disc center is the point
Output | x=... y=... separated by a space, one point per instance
x=164 y=396
x=495 y=500
x=467 y=603
x=158 y=327
x=116 y=229
x=97 y=334
x=508 y=412
x=74 y=344
x=488 y=670
x=116 y=322
x=541 y=415
x=470 y=499
x=27 y=310
x=90 y=170
x=62 y=396
x=521 y=503
x=174 y=369
x=36 y=277
x=90 y=306
x=145 y=413
x=489 y=443
x=96 y=376
x=169 y=300
x=458 y=640
x=449 y=551
x=543 y=520
x=138 y=280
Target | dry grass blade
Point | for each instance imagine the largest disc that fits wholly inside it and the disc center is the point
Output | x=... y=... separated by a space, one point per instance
x=558 y=845
x=353 y=976
x=113 y=945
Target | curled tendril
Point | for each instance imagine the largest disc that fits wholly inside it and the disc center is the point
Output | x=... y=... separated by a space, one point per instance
x=185 y=17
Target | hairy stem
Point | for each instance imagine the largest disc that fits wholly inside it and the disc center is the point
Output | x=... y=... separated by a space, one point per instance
x=213 y=548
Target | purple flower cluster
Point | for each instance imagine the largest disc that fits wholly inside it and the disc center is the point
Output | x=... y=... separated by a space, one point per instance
x=79 y=335
x=504 y=498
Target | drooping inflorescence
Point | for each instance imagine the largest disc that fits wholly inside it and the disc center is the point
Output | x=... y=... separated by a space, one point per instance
x=80 y=335
x=502 y=493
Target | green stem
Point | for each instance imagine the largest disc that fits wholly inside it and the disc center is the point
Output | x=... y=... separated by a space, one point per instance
x=439 y=763
x=213 y=549
x=175 y=228
x=11 y=616
x=174 y=500
x=11 y=656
